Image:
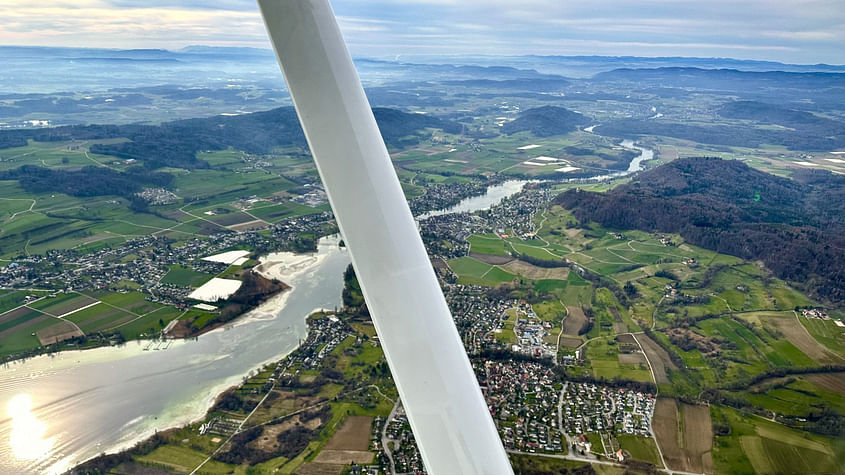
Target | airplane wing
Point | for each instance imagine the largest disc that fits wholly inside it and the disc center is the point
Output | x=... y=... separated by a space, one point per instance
x=445 y=407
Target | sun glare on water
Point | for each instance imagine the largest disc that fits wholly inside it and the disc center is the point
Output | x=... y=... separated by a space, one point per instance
x=27 y=440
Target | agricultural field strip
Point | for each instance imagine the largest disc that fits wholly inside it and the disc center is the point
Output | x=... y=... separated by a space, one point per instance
x=610 y=250
x=96 y=302
x=137 y=317
x=51 y=209
x=645 y=243
x=19 y=212
x=173 y=228
x=89 y=157
x=488 y=271
x=657 y=391
x=537 y=247
x=22 y=305
x=727 y=304
x=182 y=209
x=56 y=317
x=511 y=245
x=43 y=211
x=256 y=218
x=579 y=253
x=824 y=348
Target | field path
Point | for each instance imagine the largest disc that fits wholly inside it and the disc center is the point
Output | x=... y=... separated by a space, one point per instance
x=57 y=318
x=658 y=359
x=19 y=212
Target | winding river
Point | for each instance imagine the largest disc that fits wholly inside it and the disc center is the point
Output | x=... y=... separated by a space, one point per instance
x=60 y=410
x=493 y=196
x=633 y=167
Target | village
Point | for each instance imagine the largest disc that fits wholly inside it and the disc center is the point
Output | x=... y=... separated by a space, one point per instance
x=145 y=260
x=534 y=409
x=536 y=413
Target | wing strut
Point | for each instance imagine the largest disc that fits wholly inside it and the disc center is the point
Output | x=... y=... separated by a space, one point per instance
x=447 y=412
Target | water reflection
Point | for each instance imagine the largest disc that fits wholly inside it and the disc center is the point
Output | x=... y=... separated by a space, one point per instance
x=27 y=436
x=107 y=399
x=492 y=197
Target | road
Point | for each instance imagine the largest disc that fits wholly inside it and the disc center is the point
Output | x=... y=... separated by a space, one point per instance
x=384 y=439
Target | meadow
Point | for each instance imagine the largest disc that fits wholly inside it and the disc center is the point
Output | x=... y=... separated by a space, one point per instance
x=713 y=322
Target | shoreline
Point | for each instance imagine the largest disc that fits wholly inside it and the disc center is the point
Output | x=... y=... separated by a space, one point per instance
x=277 y=265
x=184 y=330
x=208 y=403
x=267 y=268
x=282 y=266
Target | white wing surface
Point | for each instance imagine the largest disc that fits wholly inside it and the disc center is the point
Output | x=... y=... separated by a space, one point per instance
x=445 y=407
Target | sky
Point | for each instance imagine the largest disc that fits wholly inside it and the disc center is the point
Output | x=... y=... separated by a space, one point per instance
x=792 y=31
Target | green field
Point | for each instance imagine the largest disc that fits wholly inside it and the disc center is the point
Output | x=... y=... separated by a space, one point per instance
x=185 y=276
x=641 y=448
x=18 y=334
x=467 y=266
x=758 y=445
x=487 y=244
x=603 y=358
x=550 y=285
x=474 y=272
x=506 y=334
x=15 y=298
x=34 y=223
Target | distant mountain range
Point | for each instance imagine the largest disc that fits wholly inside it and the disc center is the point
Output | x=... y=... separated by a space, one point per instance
x=38 y=69
x=727 y=79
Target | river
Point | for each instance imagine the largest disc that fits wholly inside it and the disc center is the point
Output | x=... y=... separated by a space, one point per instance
x=61 y=410
x=493 y=196
x=87 y=402
x=633 y=167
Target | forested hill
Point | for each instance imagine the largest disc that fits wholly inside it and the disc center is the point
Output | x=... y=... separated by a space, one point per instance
x=546 y=121
x=796 y=227
x=175 y=144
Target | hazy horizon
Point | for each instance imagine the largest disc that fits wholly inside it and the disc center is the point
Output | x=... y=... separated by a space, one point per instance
x=427 y=57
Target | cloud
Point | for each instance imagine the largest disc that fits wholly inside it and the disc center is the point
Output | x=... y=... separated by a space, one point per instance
x=785 y=30
x=98 y=25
